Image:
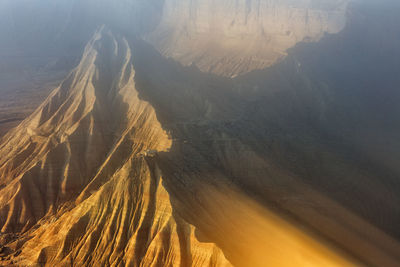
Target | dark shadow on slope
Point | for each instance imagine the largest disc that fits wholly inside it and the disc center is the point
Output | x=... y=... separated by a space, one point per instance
x=304 y=116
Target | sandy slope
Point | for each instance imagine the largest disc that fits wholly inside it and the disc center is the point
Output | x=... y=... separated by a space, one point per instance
x=79 y=171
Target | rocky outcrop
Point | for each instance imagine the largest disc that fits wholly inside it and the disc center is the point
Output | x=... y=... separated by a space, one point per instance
x=235 y=37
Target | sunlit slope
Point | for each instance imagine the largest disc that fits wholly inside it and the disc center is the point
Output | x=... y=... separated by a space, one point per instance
x=129 y=221
x=252 y=235
x=309 y=145
x=72 y=137
x=76 y=178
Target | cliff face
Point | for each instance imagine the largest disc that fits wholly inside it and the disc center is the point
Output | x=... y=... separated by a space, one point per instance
x=234 y=37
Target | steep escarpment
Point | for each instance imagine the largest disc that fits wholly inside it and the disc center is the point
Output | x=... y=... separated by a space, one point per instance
x=78 y=175
x=235 y=37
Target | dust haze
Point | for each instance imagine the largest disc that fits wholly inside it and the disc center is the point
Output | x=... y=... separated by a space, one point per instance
x=243 y=133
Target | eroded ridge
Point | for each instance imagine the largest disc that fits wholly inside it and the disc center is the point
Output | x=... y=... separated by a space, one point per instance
x=79 y=183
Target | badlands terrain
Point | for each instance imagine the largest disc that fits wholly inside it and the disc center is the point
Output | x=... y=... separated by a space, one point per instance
x=199 y=133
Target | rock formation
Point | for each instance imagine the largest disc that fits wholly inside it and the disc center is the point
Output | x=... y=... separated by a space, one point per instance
x=234 y=37
x=139 y=160
x=93 y=178
x=77 y=171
